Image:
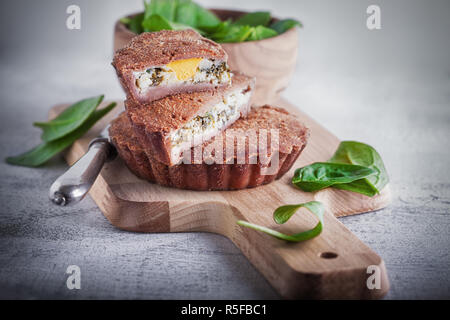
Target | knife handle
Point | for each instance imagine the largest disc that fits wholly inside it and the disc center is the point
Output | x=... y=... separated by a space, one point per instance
x=76 y=182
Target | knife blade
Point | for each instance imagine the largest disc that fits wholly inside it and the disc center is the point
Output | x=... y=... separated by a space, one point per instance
x=73 y=185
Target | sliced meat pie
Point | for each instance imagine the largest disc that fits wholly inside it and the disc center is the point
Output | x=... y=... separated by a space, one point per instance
x=171 y=125
x=157 y=64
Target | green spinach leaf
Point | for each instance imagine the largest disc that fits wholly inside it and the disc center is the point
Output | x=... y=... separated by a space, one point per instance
x=156 y=22
x=284 y=213
x=205 y=18
x=358 y=153
x=230 y=32
x=355 y=167
x=217 y=30
x=163 y=8
x=359 y=186
x=182 y=14
x=125 y=20
x=284 y=25
x=69 y=120
x=260 y=33
x=321 y=175
x=45 y=151
x=254 y=19
x=233 y=33
x=179 y=14
x=135 y=24
x=186 y=13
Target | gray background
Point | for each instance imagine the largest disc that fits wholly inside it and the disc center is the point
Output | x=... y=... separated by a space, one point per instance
x=389 y=88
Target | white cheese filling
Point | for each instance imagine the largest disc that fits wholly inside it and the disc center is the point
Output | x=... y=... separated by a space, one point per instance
x=206 y=125
x=207 y=71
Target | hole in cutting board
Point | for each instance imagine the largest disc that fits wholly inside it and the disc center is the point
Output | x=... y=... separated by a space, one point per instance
x=328 y=255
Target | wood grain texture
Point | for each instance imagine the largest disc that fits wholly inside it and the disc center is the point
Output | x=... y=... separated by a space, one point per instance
x=272 y=61
x=295 y=270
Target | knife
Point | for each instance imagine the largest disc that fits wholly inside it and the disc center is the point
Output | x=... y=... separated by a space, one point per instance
x=76 y=182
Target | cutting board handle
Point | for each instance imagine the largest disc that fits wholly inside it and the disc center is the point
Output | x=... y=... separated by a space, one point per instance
x=336 y=264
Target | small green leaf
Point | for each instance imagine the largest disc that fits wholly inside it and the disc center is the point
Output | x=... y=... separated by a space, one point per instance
x=205 y=18
x=186 y=13
x=321 y=175
x=359 y=186
x=260 y=33
x=45 y=151
x=234 y=34
x=191 y=14
x=69 y=120
x=125 y=20
x=284 y=213
x=164 y=8
x=135 y=24
x=217 y=28
x=157 y=23
x=254 y=19
x=284 y=25
x=229 y=32
x=358 y=153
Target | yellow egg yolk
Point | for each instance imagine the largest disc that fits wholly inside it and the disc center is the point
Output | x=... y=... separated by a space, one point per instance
x=184 y=69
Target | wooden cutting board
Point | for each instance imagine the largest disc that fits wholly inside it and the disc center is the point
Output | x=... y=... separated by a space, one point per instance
x=332 y=265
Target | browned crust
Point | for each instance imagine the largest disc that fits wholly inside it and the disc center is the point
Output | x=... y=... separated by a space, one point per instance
x=154 y=122
x=160 y=48
x=293 y=139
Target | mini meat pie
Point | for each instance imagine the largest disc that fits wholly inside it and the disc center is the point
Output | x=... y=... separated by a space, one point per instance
x=157 y=64
x=173 y=124
x=292 y=136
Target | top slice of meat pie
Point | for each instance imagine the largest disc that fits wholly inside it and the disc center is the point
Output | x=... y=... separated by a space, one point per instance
x=157 y=64
x=171 y=125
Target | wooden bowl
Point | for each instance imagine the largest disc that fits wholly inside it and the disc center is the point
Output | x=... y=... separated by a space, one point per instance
x=272 y=61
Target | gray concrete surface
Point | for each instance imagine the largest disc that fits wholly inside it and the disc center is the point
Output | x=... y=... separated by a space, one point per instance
x=389 y=88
